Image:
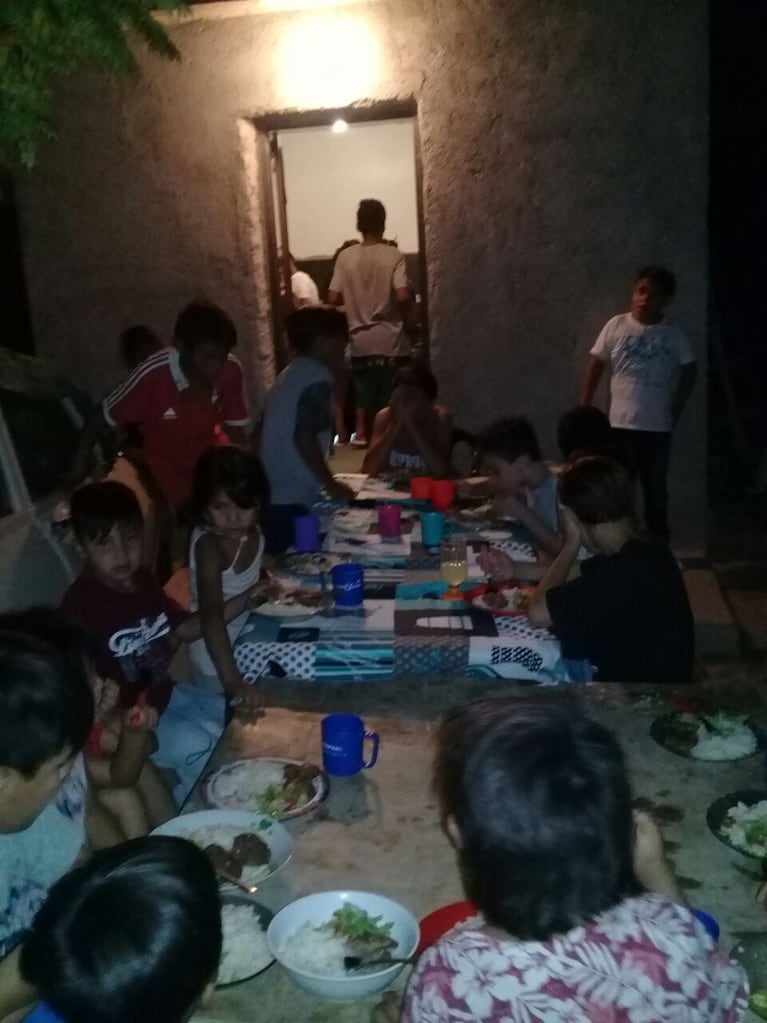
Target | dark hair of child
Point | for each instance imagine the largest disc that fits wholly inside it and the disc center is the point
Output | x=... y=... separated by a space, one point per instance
x=133 y=934
x=204 y=323
x=371 y=216
x=137 y=344
x=234 y=472
x=417 y=375
x=597 y=490
x=46 y=702
x=97 y=508
x=585 y=430
x=663 y=279
x=305 y=326
x=557 y=848
x=510 y=439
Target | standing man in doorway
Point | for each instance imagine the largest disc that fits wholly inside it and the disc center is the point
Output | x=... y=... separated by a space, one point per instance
x=370 y=281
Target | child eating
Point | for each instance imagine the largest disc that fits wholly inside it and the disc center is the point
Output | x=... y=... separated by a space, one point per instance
x=524 y=487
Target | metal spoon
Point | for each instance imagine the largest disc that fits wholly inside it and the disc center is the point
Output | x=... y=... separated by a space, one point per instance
x=251 y=889
x=358 y=963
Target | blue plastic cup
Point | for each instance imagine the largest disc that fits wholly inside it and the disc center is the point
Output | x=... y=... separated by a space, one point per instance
x=432 y=528
x=348 y=585
x=306 y=537
x=343 y=741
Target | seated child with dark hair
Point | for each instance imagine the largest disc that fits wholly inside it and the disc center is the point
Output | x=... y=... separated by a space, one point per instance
x=46 y=713
x=413 y=433
x=627 y=612
x=136 y=628
x=226 y=563
x=525 y=489
x=583 y=431
x=132 y=935
x=581 y=918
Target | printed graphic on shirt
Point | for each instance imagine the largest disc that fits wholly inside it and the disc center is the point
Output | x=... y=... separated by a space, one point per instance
x=639 y=356
x=142 y=650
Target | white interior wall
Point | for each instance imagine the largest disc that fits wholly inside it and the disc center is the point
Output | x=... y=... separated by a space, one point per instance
x=326 y=175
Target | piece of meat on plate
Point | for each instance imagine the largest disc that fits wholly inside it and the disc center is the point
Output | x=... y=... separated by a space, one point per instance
x=250 y=850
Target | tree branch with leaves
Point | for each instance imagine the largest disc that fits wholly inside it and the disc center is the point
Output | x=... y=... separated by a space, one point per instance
x=43 y=41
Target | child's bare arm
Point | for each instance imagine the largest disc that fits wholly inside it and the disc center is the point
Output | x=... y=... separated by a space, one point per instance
x=214 y=632
x=190 y=629
x=15 y=993
x=385 y=429
x=591 y=377
x=137 y=743
x=546 y=539
x=557 y=573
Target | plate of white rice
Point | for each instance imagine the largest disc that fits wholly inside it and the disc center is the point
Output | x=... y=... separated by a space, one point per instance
x=739 y=820
x=245 y=952
x=258 y=784
x=732 y=736
x=221 y=827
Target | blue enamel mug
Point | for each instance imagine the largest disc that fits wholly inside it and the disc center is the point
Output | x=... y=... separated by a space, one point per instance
x=343 y=741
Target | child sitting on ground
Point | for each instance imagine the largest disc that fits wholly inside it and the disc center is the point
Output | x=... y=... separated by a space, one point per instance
x=628 y=612
x=117 y=753
x=413 y=433
x=524 y=487
x=46 y=713
x=133 y=934
x=136 y=628
x=581 y=915
x=225 y=561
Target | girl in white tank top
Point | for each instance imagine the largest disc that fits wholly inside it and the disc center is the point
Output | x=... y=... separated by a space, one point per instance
x=225 y=561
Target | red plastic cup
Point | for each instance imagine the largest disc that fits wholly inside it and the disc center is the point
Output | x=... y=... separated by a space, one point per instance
x=389 y=521
x=420 y=487
x=442 y=494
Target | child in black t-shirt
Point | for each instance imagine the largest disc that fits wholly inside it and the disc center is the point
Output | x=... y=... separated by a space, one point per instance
x=627 y=612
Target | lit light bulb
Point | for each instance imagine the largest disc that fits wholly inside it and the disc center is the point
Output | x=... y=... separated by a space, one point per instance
x=339 y=126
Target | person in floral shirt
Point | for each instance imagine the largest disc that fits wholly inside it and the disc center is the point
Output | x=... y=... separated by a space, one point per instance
x=581 y=919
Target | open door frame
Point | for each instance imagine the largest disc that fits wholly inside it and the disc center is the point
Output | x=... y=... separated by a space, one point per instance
x=275 y=200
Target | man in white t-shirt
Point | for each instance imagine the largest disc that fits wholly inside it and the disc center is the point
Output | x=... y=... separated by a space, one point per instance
x=652 y=373
x=370 y=282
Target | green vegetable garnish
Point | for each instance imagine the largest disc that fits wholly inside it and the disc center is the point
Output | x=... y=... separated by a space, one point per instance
x=277 y=799
x=353 y=922
x=756 y=832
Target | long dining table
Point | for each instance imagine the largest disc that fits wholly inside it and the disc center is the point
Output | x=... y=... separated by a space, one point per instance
x=379 y=830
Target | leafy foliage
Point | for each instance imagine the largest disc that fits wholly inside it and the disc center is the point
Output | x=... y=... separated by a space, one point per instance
x=43 y=40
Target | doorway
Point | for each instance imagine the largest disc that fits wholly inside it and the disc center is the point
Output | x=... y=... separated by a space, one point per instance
x=319 y=167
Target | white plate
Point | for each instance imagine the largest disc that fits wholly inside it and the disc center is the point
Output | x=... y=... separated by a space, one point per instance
x=258 y=773
x=230 y=823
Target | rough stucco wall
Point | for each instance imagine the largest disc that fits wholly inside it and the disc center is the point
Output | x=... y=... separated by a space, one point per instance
x=563 y=145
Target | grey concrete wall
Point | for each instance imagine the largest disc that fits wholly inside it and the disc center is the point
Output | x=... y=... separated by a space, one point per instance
x=563 y=145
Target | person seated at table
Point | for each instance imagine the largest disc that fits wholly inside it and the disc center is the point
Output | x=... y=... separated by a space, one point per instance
x=46 y=714
x=585 y=430
x=627 y=612
x=413 y=433
x=298 y=423
x=226 y=556
x=523 y=486
x=133 y=934
x=582 y=917
x=135 y=629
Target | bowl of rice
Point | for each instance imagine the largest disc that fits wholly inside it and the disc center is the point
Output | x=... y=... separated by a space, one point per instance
x=298 y=939
x=245 y=952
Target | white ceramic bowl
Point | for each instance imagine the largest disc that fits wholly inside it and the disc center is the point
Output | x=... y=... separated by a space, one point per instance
x=317 y=909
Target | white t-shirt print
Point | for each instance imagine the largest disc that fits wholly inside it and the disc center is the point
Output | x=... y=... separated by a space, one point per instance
x=644 y=369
